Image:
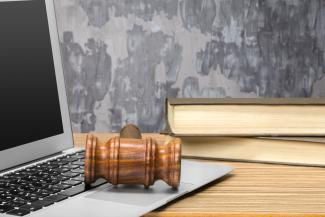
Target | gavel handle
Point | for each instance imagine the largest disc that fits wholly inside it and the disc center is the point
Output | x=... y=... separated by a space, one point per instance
x=130 y=131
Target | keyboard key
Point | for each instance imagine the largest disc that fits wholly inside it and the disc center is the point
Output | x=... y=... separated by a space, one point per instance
x=14 y=182
x=17 y=203
x=18 y=212
x=27 y=188
x=42 y=203
x=71 y=166
x=60 y=186
x=38 y=184
x=80 y=171
x=42 y=175
x=30 y=198
x=52 y=181
x=7 y=197
x=29 y=179
x=71 y=182
x=56 y=198
x=59 y=163
x=30 y=207
x=42 y=193
x=79 y=178
x=79 y=163
x=14 y=192
x=71 y=159
x=61 y=178
x=70 y=174
x=52 y=166
x=80 y=156
x=61 y=170
x=53 y=190
x=5 y=208
x=74 y=190
x=18 y=175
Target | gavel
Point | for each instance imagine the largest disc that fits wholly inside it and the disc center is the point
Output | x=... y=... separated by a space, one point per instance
x=132 y=160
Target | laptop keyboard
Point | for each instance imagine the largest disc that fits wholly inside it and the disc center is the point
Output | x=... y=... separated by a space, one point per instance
x=41 y=185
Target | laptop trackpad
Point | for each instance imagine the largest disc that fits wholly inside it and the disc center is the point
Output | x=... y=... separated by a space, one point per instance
x=138 y=195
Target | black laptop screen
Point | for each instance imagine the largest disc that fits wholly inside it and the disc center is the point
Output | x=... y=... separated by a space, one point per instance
x=29 y=102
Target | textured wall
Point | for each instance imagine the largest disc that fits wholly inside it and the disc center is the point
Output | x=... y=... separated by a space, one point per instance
x=122 y=57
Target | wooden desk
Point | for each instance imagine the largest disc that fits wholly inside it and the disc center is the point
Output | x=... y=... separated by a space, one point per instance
x=251 y=190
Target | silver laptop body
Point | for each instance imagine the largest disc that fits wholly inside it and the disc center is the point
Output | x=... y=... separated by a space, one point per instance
x=101 y=201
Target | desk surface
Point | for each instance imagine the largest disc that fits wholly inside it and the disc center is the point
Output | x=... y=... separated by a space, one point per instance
x=251 y=190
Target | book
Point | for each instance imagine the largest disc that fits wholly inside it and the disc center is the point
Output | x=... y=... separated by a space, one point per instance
x=246 y=117
x=267 y=150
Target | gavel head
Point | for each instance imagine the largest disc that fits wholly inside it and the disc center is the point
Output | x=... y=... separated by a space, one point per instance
x=131 y=159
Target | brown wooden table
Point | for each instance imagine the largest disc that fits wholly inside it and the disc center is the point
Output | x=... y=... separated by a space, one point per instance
x=251 y=190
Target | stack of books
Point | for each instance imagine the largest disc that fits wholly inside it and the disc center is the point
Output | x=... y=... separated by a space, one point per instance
x=283 y=131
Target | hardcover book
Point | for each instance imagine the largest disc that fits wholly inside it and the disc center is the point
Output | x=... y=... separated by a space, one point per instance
x=267 y=150
x=246 y=117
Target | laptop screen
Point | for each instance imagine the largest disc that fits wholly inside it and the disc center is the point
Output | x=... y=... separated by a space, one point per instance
x=29 y=101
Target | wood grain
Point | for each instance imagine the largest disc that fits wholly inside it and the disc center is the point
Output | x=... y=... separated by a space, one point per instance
x=134 y=161
x=251 y=190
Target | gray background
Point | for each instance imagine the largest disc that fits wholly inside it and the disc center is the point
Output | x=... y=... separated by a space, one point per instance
x=123 y=57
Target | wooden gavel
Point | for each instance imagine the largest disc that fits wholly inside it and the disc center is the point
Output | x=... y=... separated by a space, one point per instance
x=131 y=159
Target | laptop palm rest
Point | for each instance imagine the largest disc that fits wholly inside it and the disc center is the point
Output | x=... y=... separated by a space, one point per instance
x=139 y=196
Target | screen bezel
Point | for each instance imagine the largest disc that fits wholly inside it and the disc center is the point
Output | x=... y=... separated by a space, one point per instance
x=55 y=144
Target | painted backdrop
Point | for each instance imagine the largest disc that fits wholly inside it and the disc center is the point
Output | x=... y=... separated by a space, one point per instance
x=123 y=57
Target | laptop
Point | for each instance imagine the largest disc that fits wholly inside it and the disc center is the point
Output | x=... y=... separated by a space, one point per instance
x=41 y=173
